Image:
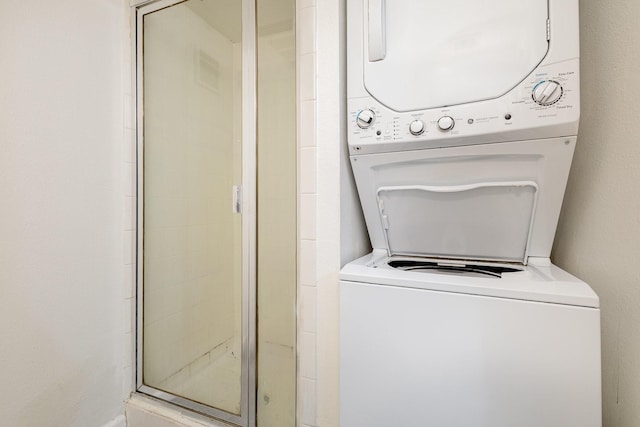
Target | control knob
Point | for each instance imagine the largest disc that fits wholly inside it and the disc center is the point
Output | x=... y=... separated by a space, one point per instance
x=547 y=92
x=416 y=127
x=446 y=123
x=365 y=118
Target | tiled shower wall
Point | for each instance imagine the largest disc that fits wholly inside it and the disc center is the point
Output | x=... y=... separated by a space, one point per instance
x=307 y=279
x=320 y=33
x=129 y=214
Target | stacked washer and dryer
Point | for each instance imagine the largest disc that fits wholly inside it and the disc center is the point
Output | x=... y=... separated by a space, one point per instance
x=463 y=118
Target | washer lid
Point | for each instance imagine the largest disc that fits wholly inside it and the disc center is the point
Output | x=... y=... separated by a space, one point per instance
x=421 y=54
x=482 y=221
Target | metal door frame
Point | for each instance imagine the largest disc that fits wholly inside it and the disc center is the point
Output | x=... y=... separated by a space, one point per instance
x=247 y=417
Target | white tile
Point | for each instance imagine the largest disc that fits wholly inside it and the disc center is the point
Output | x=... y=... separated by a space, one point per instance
x=306 y=27
x=129 y=112
x=129 y=241
x=305 y=3
x=127 y=382
x=129 y=281
x=308 y=401
x=308 y=355
x=128 y=353
x=129 y=315
x=308 y=217
x=307 y=170
x=308 y=308
x=127 y=76
x=307 y=78
x=129 y=213
x=129 y=146
x=307 y=124
x=129 y=179
x=147 y=417
x=307 y=262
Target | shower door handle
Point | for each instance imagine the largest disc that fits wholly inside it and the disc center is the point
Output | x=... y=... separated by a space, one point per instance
x=377 y=31
x=237 y=199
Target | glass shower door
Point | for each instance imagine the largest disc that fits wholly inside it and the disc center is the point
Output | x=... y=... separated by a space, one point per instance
x=193 y=237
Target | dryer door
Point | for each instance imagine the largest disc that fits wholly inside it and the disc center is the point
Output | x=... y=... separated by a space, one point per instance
x=422 y=54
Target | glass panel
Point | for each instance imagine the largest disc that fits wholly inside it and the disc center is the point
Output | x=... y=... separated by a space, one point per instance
x=276 y=213
x=192 y=239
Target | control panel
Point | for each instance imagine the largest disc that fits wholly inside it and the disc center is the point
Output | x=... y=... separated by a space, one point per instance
x=547 y=98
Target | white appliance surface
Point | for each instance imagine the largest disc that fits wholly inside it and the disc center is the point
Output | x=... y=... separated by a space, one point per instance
x=434 y=220
x=539 y=281
x=499 y=216
x=482 y=49
x=425 y=74
x=415 y=357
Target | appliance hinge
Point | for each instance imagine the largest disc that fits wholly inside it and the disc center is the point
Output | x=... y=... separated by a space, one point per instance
x=383 y=217
x=548 y=29
x=385 y=222
x=237 y=199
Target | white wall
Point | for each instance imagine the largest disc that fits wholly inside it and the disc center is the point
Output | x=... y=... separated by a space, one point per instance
x=598 y=238
x=61 y=210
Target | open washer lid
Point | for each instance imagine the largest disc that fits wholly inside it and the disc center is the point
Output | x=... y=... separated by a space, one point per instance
x=481 y=221
x=421 y=54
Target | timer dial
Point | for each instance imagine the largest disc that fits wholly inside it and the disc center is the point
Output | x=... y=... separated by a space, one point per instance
x=547 y=92
x=365 y=119
x=446 y=123
x=416 y=127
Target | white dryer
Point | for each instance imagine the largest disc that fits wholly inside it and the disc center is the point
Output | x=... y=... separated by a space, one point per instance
x=463 y=118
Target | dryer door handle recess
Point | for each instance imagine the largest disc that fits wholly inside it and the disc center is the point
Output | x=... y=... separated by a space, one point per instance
x=377 y=30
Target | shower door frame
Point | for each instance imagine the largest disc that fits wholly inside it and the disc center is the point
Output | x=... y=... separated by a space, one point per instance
x=247 y=417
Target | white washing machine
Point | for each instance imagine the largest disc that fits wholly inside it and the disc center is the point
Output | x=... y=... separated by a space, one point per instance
x=463 y=118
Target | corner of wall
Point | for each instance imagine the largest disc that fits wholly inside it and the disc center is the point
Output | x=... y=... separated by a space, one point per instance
x=331 y=225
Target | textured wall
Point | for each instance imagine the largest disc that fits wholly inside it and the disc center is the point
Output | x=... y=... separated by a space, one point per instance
x=61 y=205
x=598 y=238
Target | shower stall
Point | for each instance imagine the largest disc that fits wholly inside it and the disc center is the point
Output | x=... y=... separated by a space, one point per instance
x=216 y=251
